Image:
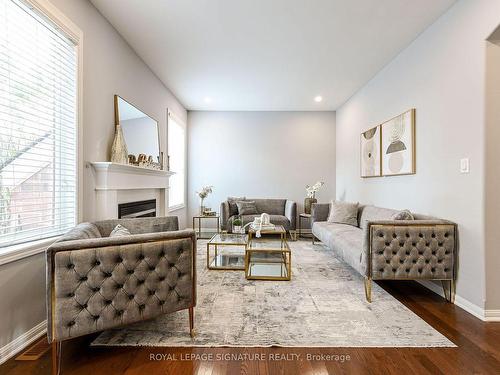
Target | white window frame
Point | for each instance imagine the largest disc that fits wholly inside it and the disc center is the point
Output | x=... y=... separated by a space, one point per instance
x=73 y=32
x=182 y=123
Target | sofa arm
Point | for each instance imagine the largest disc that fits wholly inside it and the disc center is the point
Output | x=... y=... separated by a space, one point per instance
x=102 y=283
x=291 y=213
x=410 y=249
x=319 y=212
x=224 y=215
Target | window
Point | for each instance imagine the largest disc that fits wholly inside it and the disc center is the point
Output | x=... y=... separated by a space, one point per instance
x=38 y=126
x=177 y=152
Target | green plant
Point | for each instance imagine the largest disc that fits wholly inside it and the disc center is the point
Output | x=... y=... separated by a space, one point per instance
x=237 y=223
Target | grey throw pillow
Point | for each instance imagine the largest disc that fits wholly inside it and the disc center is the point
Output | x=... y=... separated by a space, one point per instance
x=403 y=215
x=343 y=213
x=246 y=208
x=233 y=207
x=119 y=231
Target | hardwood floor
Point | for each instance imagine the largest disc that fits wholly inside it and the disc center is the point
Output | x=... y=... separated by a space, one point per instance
x=478 y=351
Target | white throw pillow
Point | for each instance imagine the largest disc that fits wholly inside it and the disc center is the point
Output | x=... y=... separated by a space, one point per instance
x=119 y=231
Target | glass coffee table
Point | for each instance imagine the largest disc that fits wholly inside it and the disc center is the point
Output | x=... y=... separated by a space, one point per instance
x=268 y=257
x=226 y=252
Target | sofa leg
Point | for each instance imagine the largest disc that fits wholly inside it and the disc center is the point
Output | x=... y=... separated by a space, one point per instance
x=449 y=290
x=56 y=357
x=368 y=289
x=191 y=321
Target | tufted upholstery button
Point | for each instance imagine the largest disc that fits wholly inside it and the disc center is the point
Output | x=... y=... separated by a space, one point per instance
x=96 y=289
x=446 y=235
x=380 y=235
x=130 y=272
x=393 y=270
x=71 y=323
x=171 y=265
x=433 y=269
x=440 y=244
x=407 y=270
x=407 y=235
x=446 y=252
x=119 y=260
x=142 y=307
x=130 y=296
x=119 y=286
x=401 y=261
x=84 y=306
x=407 y=252
x=161 y=303
x=162 y=278
x=414 y=244
x=119 y=312
x=141 y=257
x=381 y=270
x=433 y=235
x=71 y=294
x=394 y=252
x=420 y=270
x=440 y=261
x=108 y=302
x=394 y=235
x=107 y=274
x=433 y=252
x=380 y=252
x=414 y=261
x=71 y=266
x=388 y=261
x=179 y=251
x=84 y=278
x=162 y=253
x=420 y=253
x=427 y=244
x=140 y=282
x=427 y=261
x=151 y=292
x=446 y=270
x=95 y=317
x=401 y=244
x=421 y=235
x=151 y=268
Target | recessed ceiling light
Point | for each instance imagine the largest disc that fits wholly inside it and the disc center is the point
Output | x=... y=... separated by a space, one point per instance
x=318 y=98
x=208 y=99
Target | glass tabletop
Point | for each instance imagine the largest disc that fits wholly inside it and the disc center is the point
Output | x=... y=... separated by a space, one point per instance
x=228 y=239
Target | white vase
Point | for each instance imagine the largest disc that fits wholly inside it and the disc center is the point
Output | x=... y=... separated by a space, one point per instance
x=119 y=152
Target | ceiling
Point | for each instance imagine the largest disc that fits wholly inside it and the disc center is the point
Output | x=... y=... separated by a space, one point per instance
x=268 y=54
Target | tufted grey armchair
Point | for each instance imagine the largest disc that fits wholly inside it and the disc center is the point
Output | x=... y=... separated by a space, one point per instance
x=96 y=282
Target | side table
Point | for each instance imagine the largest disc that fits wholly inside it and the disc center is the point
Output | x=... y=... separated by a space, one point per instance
x=306 y=217
x=198 y=232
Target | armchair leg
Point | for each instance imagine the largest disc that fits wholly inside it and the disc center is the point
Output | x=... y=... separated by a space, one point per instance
x=191 y=321
x=56 y=357
x=368 y=289
x=449 y=290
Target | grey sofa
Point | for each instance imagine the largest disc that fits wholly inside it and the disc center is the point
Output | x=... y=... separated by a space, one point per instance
x=384 y=249
x=281 y=212
x=96 y=282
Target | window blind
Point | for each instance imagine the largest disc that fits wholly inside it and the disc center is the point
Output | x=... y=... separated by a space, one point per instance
x=38 y=118
x=177 y=153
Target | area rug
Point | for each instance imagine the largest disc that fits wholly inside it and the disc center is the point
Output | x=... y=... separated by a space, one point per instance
x=322 y=306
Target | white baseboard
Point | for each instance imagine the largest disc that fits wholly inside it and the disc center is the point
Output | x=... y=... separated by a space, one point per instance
x=471 y=308
x=23 y=341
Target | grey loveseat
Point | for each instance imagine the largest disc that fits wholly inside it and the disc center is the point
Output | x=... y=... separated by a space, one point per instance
x=281 y=212
x=96 y=282
x=385 y=249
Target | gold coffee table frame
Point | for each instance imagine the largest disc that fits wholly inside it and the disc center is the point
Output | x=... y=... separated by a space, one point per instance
x=233 y=240
x=283 y=258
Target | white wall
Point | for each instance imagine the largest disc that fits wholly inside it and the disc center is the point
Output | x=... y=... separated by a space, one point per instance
x=110 y=67
x=441 y=74
x=260 y=155
x=492 y=172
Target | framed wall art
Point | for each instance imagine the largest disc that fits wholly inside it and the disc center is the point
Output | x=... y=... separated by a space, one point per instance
x=370 y=153
x=398 y=145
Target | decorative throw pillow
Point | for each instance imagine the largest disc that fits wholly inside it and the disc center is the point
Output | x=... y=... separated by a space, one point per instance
x=233 y=207
x=403 y=215
x=119 y=231
x=343 y=213
x=246 y=208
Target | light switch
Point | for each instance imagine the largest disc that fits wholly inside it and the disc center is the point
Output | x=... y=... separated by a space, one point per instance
x=464 y=165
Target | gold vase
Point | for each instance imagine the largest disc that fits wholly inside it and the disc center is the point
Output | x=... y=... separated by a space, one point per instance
x=119 y=152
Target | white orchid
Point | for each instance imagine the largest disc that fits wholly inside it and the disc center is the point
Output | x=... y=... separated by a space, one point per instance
x=312 y=190
x=205 y=190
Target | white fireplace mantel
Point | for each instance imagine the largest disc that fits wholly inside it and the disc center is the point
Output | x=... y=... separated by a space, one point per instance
x=115 y=182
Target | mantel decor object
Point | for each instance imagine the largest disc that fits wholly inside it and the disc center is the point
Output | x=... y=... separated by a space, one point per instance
x=119 y=153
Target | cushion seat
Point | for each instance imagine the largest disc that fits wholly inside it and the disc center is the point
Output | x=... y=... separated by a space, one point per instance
x=346 y=241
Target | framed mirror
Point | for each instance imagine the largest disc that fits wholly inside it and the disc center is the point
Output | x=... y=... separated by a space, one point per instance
x=141 y=134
